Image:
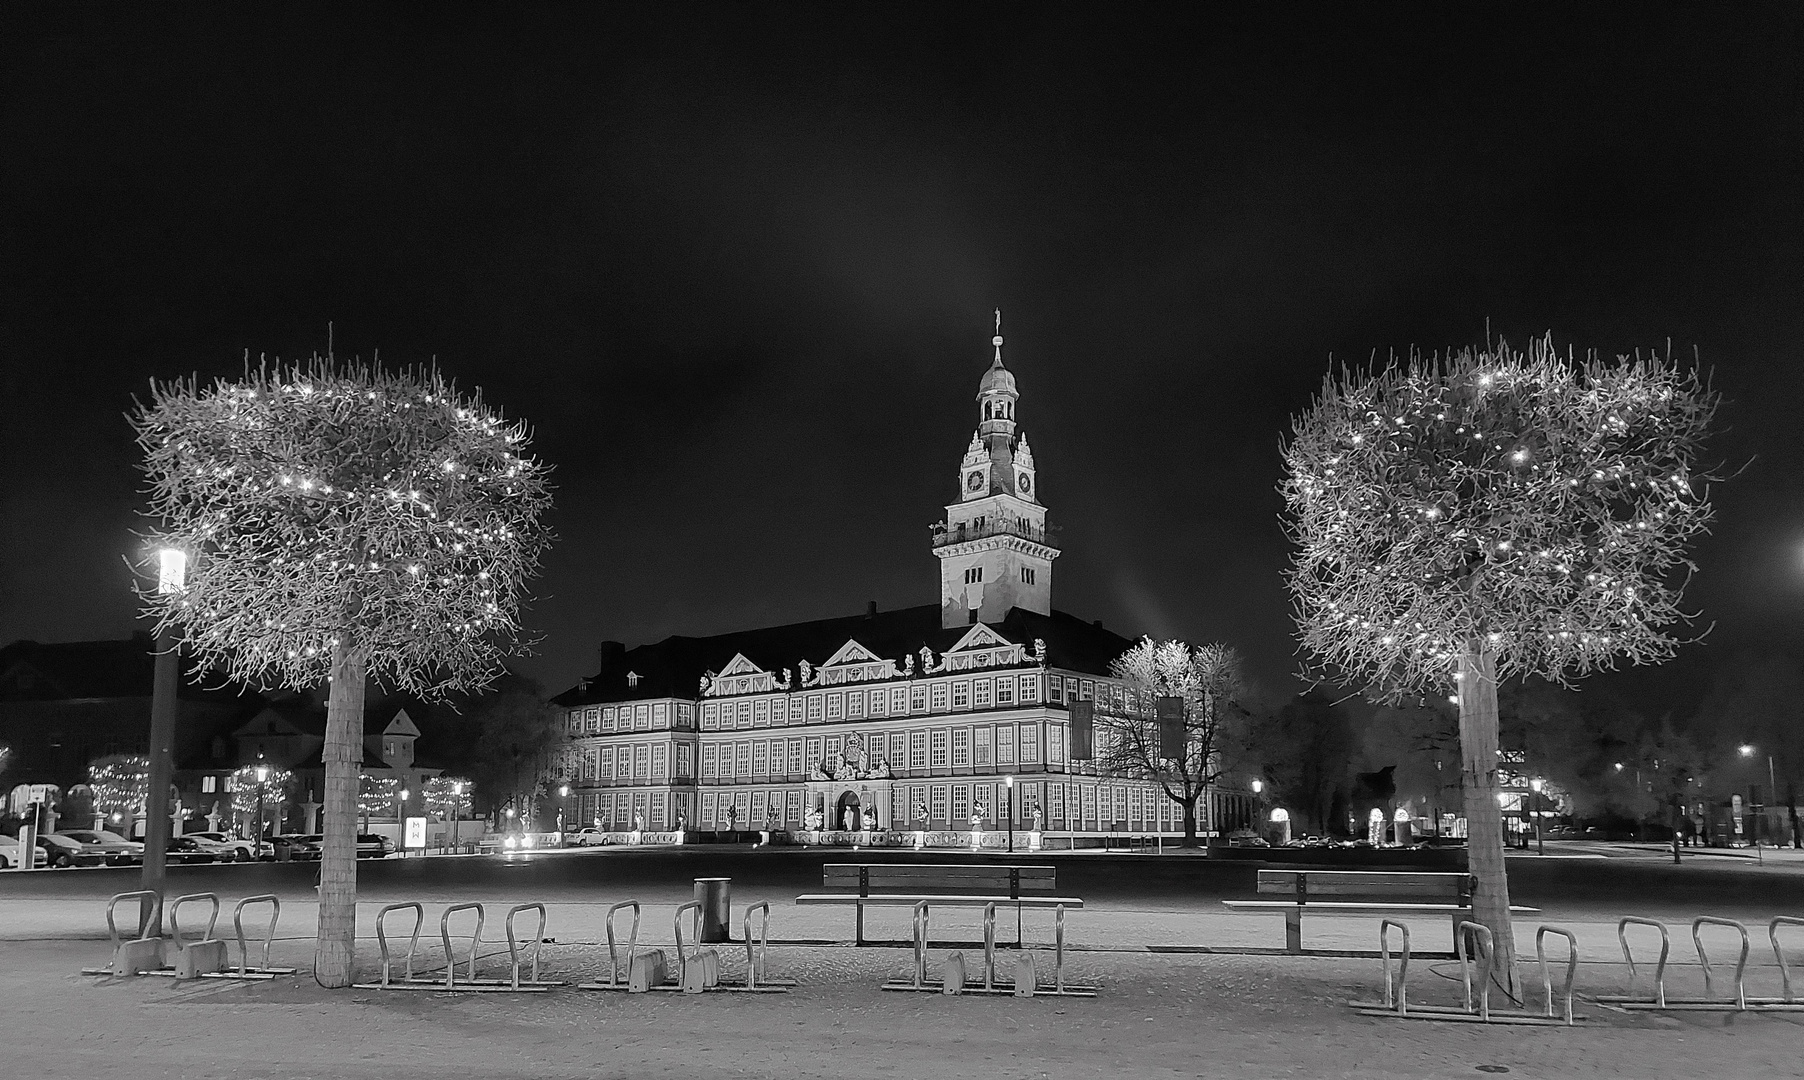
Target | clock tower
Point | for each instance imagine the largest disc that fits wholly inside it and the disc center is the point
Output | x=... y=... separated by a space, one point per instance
x=994 y=547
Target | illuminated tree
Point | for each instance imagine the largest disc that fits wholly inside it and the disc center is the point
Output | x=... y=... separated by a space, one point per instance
x=1494 y=514
x=377 y=796
x=345 y=523
x=1207 y=679
x=447 y=796
x=275 y=787
x=121 y=784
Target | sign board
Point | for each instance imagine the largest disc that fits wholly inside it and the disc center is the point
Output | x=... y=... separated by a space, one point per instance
x=41 y=792
x=1083 y=726
x=1735 y=800
x=416 y=833
x=1170 y=712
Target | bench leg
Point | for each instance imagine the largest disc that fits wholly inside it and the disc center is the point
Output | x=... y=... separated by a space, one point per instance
x=1293 y=931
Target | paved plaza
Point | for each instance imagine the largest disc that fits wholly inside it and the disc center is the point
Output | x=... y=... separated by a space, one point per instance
x=1166 y=1008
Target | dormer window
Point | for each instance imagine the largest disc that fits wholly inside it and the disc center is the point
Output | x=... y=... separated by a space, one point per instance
x=632 y=678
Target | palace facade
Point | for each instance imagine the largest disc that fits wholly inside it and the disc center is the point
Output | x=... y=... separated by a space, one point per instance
x=917 y=719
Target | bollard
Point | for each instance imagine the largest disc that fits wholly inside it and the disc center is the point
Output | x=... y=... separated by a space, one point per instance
x=1027 y=976
x=952 y=974
x=715 y=895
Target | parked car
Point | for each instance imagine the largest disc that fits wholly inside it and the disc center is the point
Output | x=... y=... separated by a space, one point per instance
x=300 y=847
x=9 y=854
x=187 y=851
x=374 y=846
x=118 y=850
x=65 y=851
x=589 y=837
x=228 y=847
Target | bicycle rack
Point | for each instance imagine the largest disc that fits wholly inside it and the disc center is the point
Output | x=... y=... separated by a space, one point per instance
x=1547 y=976
x=1396 y=1005
x=921 y=983
x=203 y=954
x=707 y=961
x=408 y=982
x=1772 y=934
x=755 y=959
x=1486 y=950
x=1630 y=1001
x=245 y=970
x=127 y=954
x=1400 y=1000
x=1741 y=964
x=615 y=982
x=513 y=950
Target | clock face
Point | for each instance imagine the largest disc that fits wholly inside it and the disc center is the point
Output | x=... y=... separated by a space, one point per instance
x=1024 y=482
x=973 y=481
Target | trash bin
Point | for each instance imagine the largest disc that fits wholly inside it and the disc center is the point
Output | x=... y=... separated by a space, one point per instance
x=283 y=852
x=715 y=895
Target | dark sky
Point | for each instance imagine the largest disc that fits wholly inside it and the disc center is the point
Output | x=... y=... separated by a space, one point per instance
x=736 y=264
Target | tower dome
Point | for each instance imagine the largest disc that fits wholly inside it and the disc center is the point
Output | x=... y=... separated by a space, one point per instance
x=998 y=379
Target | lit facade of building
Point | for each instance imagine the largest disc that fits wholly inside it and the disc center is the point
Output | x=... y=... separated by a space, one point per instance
x=887 y=722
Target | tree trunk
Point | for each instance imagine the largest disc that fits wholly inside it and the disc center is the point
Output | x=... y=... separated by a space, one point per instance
x=1484 y=816
x=1189 y=821
x=333 y=954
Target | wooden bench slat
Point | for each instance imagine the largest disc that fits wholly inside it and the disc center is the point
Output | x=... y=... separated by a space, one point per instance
x=1353 y=905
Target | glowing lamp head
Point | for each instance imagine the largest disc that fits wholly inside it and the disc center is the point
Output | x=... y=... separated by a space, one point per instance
x=1258 y=786
x=406 y=794
x=1011 y=781
x=117 y=817
x=1535 y=783
x=1619 y=766
x=510 y=811
x=1747 y=750
x=262 y=773
x=172 y=569
x=457 y=789
x=563 y=790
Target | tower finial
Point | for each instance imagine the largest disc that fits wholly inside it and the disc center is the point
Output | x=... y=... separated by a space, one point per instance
x=997 y=341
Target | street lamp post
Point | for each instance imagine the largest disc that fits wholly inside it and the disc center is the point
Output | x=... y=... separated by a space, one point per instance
x=406 y=795
x=262 y=775
x=172 y=574
x=563 y=801
x=457 y=798
x=1009 y=783
x=1540 y=844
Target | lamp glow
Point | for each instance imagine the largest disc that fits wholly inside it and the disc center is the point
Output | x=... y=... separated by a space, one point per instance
x=172 y=569
x=1258 y=786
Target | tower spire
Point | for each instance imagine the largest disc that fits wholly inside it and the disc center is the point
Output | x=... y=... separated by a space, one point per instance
x=997 y=341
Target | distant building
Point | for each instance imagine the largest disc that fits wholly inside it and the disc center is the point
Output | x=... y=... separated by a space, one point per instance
x=894 y=720
x=63 y=705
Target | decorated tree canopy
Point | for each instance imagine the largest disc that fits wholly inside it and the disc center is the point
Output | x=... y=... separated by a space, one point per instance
x=377 y=796
x=274 y=787
x=324 y=500
x=121 y=783
x=1464 y=520
x=448 y=796
x=344 y=523
x=1539 y=504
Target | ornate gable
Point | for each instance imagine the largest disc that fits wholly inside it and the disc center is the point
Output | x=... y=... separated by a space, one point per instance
x=982 y=647
x=741 y=676
x=852 y=663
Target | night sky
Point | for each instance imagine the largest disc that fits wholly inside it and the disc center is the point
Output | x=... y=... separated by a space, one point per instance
x=737 y=265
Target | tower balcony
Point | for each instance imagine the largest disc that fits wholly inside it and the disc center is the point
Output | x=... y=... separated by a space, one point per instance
x=946 y=536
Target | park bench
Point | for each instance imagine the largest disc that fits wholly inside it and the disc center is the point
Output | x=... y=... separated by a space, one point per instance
x=940 y=885
x=1378 y=892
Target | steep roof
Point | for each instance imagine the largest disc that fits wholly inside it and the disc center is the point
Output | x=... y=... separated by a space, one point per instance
x=674 y=667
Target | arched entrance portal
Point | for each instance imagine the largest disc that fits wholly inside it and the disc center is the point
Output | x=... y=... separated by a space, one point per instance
x=848 y=814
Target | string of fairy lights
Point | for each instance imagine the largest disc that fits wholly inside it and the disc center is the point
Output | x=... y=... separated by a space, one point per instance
x=328 y=504
x=1519 y=503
